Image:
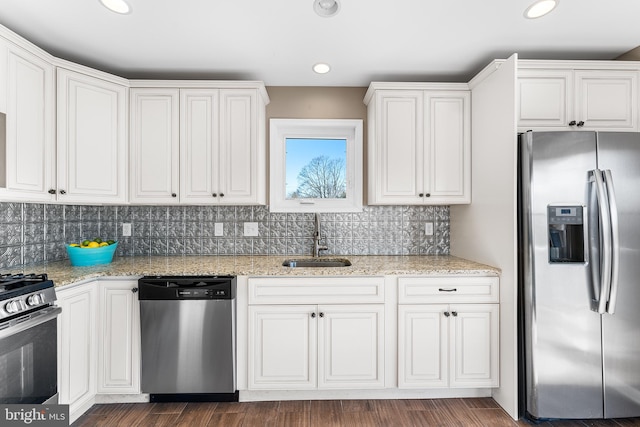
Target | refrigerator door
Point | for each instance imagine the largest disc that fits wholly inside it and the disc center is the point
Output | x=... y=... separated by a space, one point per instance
x=562 y=333
x=620 y=152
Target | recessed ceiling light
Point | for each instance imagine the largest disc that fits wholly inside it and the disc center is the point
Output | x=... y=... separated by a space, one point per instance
x=326 y=8
x=321 y=68
x=117 y=6
x=540 y=8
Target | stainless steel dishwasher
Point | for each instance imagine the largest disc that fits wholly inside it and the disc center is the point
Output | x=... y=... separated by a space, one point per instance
x=188 y=334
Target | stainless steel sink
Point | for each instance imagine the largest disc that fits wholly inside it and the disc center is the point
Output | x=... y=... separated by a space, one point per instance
x=317 y=262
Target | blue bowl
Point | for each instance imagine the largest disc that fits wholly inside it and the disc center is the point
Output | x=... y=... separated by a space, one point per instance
x=83 y=257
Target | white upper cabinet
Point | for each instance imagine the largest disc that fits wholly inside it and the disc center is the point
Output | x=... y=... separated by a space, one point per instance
x=28 y=166
x=198 y=142
x=574 y=99
x=419 y=144
x=242 y=153
x=92 y=139
x=448 y=148
x=155 y=145
x=199 y=145
x=223 y=154
x=396 y=134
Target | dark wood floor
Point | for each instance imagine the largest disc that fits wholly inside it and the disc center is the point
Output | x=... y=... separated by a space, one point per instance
x=435 y=412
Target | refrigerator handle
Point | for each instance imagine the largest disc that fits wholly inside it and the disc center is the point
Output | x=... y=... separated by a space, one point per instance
x=615 y=242
x=605 y=222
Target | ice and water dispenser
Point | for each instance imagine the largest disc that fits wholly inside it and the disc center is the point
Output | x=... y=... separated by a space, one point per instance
x=566 y=233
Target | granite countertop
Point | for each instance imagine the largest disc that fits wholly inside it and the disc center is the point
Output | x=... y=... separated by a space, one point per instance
x=62 y=273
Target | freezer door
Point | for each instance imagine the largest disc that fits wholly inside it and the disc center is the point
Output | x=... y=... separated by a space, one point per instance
x=562 y=333
x=620 y=152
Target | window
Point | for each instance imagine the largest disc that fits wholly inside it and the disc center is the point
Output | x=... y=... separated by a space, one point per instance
x=315 y=165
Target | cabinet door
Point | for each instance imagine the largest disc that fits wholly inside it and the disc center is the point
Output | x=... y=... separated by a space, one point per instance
x=119 y=344
x=474 y=345
x=545 y=99
x=396 y=154
x=242 y=157
x=607 y=99
x=423 y=354
x=351 y=346
x=282 y=347
x=155 y=145
x=92 y=139
x=199 y=139
x=77 y=346
x=447 y=175
x=30 y=144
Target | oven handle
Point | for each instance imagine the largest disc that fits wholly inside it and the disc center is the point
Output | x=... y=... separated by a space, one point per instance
x=29 y=321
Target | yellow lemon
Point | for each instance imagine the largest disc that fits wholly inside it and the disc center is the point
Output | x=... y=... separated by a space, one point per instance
x=74 y=245
x=104 y=244
x=93 y=245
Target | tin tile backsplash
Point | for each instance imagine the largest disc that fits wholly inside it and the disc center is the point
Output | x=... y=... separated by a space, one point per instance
x=33 y=233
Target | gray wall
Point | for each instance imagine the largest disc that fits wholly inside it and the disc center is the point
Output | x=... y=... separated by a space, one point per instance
x=33 y=233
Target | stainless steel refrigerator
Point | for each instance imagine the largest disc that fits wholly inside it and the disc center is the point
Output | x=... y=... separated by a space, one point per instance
x=579 y=243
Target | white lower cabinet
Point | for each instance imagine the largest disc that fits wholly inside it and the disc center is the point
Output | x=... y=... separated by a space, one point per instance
x=448 y=345
x=452 y=345
x=77 y=347
x=119 y=345
x=311 y=333
x=316 y=346
x=282 y=347
x=98 y=342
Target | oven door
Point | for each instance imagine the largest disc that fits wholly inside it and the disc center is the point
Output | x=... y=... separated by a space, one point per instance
x=28 y=358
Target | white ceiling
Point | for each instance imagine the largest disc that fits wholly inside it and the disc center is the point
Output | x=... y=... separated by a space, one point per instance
x=277 y=41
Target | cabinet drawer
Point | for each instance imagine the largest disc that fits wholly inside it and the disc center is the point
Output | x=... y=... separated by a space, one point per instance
x=316 y=290
x=416 y=290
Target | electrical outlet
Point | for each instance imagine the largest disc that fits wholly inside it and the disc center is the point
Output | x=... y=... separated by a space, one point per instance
x=218 y=229
x=126 y=229
x=251 y=229
x=428 y=228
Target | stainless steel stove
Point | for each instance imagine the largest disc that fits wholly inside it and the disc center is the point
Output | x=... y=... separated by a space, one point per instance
x=24 y=293
x=28 y=339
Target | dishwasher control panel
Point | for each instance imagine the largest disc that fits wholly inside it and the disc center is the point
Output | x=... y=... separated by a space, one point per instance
x=187 y=288
x=203 y=293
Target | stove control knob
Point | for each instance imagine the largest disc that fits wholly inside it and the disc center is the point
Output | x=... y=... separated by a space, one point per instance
x=12 y=307
x=35 y=299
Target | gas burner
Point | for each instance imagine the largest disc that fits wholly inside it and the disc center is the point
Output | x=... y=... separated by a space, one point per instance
x=21 y=276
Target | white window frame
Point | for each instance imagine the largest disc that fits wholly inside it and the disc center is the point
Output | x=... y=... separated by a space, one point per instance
x=348 y=129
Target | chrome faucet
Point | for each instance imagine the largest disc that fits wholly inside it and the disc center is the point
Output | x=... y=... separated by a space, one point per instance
x=317 y=237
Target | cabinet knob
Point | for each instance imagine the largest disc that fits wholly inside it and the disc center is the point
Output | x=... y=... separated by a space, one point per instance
x=421 y=195
x=313 y=315
x=134 y=290
x=51 y=191
x=454 y=313
x=215 y=194
x=221 y=194
x=321 y=314
x=174 y=195
x=580 y=123
x=572 y=123
x=447 y=314
x=427 y=195
x=63 y=192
